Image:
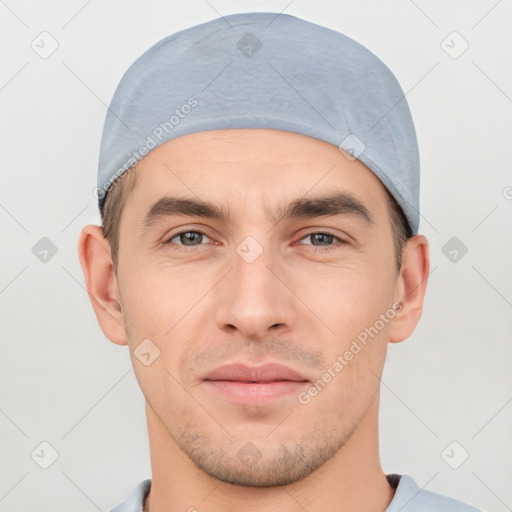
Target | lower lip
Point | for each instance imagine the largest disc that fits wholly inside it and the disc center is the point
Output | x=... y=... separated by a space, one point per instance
x=256 y=393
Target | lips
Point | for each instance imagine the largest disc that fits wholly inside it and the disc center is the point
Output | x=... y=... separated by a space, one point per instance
x=255 y=374
x=254 y=385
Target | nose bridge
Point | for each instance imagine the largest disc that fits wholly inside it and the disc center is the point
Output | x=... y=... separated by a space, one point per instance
x=254 y=299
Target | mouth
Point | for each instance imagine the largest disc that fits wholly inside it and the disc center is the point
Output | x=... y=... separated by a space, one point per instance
x=255 y=385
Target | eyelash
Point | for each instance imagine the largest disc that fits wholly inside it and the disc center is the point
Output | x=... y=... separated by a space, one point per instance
x=317 y=248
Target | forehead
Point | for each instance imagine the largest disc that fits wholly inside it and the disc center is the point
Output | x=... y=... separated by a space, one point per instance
x=251 y=168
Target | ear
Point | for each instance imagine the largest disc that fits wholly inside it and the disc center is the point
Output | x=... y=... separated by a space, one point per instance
x=411 y=286
x=100 y=280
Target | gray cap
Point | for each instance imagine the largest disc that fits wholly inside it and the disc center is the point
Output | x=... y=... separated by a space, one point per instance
x=265 y=70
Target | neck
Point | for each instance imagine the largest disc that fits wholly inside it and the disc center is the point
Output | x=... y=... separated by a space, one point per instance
x=351 y=480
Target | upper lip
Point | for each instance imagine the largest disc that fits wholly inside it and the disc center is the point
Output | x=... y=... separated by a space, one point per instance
x=240 y=372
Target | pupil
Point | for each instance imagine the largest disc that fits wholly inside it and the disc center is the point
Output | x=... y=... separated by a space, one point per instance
x=190 y=236
x=322 y=237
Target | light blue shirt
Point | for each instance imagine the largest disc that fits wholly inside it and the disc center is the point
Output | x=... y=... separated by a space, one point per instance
x=408 y=498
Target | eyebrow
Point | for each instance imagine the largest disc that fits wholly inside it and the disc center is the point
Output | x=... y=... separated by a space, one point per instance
x=340 y=203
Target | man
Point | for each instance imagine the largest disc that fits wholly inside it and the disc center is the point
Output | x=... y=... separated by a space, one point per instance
x=259 y=184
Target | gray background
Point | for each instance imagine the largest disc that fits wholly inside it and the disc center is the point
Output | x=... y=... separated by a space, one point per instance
x=64 y=383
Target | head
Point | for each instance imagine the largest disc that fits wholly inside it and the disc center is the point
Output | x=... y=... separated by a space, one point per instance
x=249 y=232
x=295 y=255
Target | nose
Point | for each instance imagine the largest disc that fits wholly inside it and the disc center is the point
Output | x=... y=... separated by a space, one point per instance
x=255 y=300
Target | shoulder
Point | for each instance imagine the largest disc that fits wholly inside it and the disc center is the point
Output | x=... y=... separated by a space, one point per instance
x=411 y=498
x=408 y=498
x=135 y=501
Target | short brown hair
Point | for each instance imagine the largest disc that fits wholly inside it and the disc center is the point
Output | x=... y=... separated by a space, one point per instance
x=113 y=208
x=400 y=226
x=123 y=187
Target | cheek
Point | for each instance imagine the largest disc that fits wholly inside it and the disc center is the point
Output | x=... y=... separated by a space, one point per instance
x=351 y=300
x=144 y=304
x=346 y=297
x=167 y=304
x=158 y=306
x=154 y=296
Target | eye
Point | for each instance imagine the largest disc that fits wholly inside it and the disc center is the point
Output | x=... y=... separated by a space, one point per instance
x=188 y=238
x=323 y=239
x=191 y=238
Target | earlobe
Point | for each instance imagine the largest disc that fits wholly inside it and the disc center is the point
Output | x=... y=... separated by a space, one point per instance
x=411 y=288
x=101 y=283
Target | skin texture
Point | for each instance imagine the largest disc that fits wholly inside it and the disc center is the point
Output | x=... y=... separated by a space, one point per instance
x=296 y=304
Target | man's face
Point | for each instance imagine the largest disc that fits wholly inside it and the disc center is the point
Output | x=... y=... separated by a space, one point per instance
x=253 y=291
